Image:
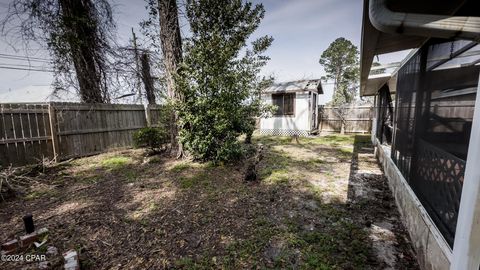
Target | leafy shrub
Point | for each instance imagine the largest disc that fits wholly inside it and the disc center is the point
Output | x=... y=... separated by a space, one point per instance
x=219 y=80
x=153 y=138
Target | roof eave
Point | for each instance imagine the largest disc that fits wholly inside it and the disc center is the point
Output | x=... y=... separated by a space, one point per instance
x=401 y=30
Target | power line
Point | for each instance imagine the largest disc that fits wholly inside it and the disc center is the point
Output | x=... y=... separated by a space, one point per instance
x=38 y=68
x=27 y=69
x=24 y=57
x=20 y=65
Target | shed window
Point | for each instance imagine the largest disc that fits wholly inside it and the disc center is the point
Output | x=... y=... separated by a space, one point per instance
x=285 y=103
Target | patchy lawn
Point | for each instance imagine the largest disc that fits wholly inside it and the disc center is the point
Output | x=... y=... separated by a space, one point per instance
x=321 y=204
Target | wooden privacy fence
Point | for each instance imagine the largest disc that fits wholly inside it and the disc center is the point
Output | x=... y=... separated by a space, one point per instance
x=358 y=119
x=31 y=132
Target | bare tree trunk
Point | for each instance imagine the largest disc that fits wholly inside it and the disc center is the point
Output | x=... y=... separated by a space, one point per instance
x=83 y=47
x=341 y=111
x=172 y=57
x=147 y=79
x=342 y=129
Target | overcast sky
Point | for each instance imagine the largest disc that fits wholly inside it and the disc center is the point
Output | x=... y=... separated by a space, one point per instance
x=302 y=30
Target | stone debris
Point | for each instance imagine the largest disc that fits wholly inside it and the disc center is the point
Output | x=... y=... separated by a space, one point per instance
x=44 y=265
x=52 y=251
x=71 y=260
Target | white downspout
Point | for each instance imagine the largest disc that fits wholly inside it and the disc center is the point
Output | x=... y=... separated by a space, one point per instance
x=426 y=25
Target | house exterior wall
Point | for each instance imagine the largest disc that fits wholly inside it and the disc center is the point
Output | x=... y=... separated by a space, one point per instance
x=298 y=124
x=425 y=164
x=433 y=252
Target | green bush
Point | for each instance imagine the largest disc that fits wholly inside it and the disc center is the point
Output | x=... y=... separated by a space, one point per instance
x=219 y=79
x=153 y=138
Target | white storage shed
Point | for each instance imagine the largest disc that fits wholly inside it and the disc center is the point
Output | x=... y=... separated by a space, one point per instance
x=297 y=108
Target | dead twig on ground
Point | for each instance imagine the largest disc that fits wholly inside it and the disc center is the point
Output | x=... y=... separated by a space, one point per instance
x=15 y=180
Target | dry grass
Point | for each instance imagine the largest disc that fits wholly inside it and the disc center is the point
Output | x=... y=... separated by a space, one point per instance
x=321 y=204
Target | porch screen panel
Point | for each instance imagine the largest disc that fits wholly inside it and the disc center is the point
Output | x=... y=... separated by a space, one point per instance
x=404 y=124
x=435 y=98
x=385 y=116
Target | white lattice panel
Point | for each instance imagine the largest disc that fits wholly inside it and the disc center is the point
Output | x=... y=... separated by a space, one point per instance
x=284 y=132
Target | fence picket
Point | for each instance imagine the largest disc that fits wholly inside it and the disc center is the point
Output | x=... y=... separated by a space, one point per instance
x=358 y=120
x=29 y=132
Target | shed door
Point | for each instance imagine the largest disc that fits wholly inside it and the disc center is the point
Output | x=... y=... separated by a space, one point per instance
x=314 y=112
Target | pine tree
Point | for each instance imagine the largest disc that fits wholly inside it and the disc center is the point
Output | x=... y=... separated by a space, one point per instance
x=341 y=64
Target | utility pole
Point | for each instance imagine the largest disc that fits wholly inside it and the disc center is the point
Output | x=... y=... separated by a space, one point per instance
x=147 y=78
x=137 y=68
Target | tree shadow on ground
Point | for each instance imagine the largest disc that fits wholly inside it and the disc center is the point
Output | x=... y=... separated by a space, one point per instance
x=371 y=199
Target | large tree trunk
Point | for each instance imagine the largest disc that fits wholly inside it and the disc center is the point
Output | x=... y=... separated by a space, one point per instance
x=172 y=57
x=147 y=78
x=83 y=46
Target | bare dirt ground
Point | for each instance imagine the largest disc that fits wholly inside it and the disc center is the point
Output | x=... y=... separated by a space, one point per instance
x=320 y=204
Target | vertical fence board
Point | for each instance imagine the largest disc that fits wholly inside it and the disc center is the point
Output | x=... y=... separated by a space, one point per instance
x=358 y=120
x=3 y=147
x=82 y=129
x=23 y=139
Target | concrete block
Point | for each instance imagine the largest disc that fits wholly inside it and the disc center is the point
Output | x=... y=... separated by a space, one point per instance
x=71 y=260
x=436 y=257
x=432 y=250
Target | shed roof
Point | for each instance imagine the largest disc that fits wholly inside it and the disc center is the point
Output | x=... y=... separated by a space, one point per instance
x=295 y=86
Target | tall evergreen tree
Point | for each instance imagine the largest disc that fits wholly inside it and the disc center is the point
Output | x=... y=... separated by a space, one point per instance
x=219 y=79
x=341 y=64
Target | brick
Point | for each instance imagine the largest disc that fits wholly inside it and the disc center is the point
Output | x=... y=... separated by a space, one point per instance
x=10 y=246
x=28 y=239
